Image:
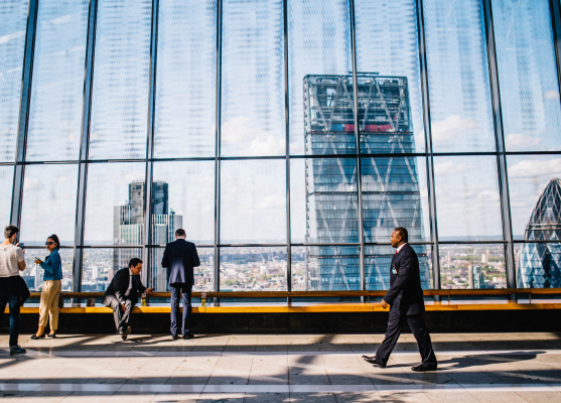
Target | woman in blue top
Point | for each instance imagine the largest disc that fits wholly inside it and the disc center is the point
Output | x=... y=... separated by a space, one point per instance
x=48 y=309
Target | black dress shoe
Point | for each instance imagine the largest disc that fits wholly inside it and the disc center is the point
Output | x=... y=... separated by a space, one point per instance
x=188 y=336
x=174 y=337
x=424 y=367
x=52 y=335
x=372 y=360
x=35 y=337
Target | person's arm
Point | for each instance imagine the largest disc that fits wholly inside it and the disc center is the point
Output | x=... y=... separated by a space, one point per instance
x=195 y=255
x=21 y=259
x=405 y=271
x=141 y=287
x=165 y=257
x=52 y=264
x=119 y=285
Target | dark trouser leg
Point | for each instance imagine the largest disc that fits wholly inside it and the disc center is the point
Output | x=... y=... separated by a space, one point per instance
x=395 y=325
x=187 y=309
x=117 y=312
x=421 y=333
x=14 y=319
x=127 y=315
x=174 y=309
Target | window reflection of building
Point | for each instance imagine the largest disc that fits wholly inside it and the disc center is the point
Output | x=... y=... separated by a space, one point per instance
x=391 y=193
x=540 y=263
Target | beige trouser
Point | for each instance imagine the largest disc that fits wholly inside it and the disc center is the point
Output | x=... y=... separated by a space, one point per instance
x=49 y=304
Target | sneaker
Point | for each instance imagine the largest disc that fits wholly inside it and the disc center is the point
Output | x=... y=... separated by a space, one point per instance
x=17 y=350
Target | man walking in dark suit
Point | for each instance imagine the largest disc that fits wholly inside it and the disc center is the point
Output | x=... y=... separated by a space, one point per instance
x=180 y=257
x=405 y=297
x=122 y=295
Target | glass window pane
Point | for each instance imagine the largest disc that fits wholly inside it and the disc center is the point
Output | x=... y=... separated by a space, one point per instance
x=537 y=265
x=13 y=14
x=325 y=268
x=458 y=74
x=378 y=259
x=55 y=122
x=324 y=200
x=101 y=264
x=319 y=47
x=6 y=185
x=535 y=196
x=204 y=274
x=527 y=74
x=467 y=198
x=252 y=269
x=394 y=194
x=390 y=99
x=49 y=203
x=472 y=266
x=34 y=274
x=121 y=81
x=115 y=204
x=183 y=197
x=186 y=79
x=253 y=78
x=253 y=202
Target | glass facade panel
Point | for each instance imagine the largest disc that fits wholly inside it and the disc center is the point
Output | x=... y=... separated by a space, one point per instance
x=472 y=266
x=467 y=198
x=252 y=78
x=101 y=264
x=528 y=75
x=120 y=88
x=252 y=269
x=253 y=202
x=389 y=85
x=115 y=204
x=186 y=79
x=58 y=81
x=6 y=185
x=458 y=76
x=34 y=274
x=377 y=265
x=394 y=194
x=13 y=23
x=319 y=66
x=183 y=197
x=538 y=265
x=49 y=203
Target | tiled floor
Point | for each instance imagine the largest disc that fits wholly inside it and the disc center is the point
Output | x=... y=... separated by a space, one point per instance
x=485 y=368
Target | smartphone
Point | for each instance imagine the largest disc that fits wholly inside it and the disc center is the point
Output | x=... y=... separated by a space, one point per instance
x=22 y=245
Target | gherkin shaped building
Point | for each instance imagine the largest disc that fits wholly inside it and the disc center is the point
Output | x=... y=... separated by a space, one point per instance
x=540 y=263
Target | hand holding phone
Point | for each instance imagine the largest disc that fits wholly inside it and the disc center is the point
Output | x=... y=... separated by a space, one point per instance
x=38 y=261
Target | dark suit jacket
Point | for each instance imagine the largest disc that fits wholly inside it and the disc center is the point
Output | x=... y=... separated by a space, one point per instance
x=119 y=286
x=180 y=257
x=405 y=294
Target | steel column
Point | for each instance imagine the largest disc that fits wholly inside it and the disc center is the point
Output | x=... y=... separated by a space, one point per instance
x=287 y=140
x=500 y=144
x=556 y=25
x=217 y=146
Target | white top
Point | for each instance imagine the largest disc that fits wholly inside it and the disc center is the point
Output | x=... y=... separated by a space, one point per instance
x=10 y=256
x=401 y=247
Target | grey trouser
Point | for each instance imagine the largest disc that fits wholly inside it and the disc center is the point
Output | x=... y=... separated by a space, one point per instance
x=121 y=319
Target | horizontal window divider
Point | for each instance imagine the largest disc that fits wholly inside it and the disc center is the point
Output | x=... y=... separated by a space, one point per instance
x=389 y=244
x=362 y=155
x=43 y=247
x=537 y=241
x=253 y=245
x=275 y=157
x=110 y=246
x=8 y=163
x=325 y=244
x=115 y=161
x=196 y=244
x=533 y=152
x=52 y=162
x=471 y=242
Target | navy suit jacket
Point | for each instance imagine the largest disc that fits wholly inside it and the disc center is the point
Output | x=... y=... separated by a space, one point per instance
x=180 y=257
x=405 y=294
x=119 y=286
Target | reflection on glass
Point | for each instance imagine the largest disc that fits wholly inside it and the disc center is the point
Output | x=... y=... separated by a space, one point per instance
x=115 y=204
x=13 y=15
x=318 y=44
x=204 y=274
x=458 y=73
x=377 y=266
x=534 y=182
x=100 y=265
x=467 y=198
x=386 y=40
x=49 y=203
x=527 y=74
x=6 y=185
x=472 y=266
x=186 y=190
x=253 y=202
x=34 y=274
x=120 y=87
x=186 y=79
x=325 y=268
x=58 y=80
x=253 y=78
x=394 y=194
x=252 y=269
x=537 y=264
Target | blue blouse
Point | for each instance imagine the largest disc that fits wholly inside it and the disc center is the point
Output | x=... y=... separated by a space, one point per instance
x=52 y=266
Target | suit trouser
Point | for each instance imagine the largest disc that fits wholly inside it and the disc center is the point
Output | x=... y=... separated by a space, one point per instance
x=48 y=308
x=121 y=318
x=420 y=331
x=176 y=289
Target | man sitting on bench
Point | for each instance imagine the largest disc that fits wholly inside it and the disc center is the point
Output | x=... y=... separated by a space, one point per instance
x=122 y=295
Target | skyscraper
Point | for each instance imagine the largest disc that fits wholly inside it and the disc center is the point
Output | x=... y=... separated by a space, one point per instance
x=390 y=185
x=540 y=263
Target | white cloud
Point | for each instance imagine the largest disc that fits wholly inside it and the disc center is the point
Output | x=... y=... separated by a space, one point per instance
x=9 y=37
x=450 y=168
x=551 y=95
x=536 y=167
x=519 y=141
x=61 y=20
x=240 y=133
x=453 y=125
